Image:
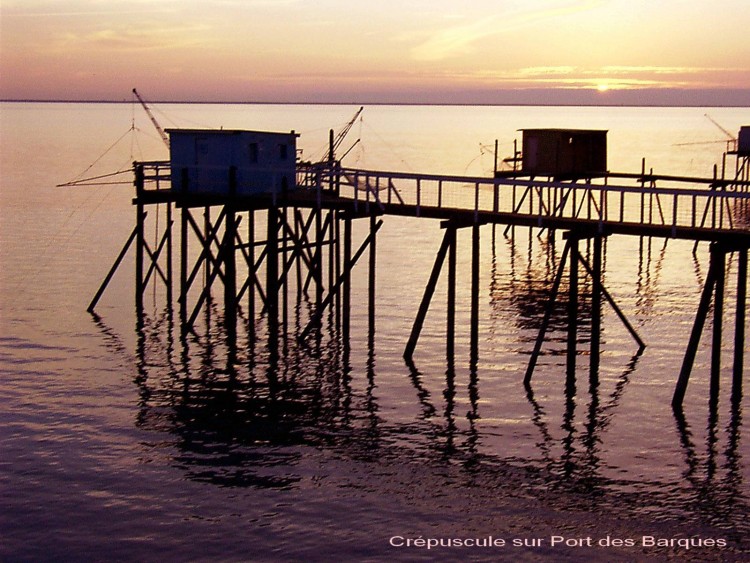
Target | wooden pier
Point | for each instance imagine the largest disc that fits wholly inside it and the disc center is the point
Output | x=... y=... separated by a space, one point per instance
x=261 y=246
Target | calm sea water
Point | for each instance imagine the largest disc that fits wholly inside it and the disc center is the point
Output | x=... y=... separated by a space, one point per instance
x=124 y=442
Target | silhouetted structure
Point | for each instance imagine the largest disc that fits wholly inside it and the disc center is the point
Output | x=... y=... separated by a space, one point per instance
x=265 y=232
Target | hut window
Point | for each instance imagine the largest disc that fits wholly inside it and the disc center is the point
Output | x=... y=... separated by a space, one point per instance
x=253 y=152
x=283 y=150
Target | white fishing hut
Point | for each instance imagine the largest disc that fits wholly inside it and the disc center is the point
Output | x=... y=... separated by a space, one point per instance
x=220 y=161
x=564 y=153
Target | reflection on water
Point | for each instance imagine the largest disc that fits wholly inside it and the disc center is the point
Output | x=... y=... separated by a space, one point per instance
x=238 y=412
x=168 y=444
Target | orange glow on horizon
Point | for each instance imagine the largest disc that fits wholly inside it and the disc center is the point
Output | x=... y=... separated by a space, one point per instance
x=263 y=50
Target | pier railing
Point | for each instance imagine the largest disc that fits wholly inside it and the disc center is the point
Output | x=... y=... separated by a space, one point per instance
x=676 y=203
x=686 y=204
x=153 y=175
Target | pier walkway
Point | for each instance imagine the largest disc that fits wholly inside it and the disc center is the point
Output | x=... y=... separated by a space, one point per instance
x=701 y=209
x=664 y=206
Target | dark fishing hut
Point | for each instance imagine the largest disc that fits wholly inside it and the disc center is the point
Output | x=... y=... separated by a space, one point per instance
x=743 y=141
x=564 y=153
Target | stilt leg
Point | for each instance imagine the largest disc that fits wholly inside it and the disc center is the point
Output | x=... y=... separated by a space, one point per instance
x=427 y=297
x=451 y=328
x=475 y=249
x=572 y=310
x=596 y=312
x=739 y=327
x=718 y=326
x=371 y=292
x=695 y=336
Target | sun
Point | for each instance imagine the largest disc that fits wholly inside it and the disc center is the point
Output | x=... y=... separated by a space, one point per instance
x=602 y=87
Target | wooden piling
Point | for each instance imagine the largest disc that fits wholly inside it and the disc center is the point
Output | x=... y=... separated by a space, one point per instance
x=337 y=260
x=207 y=245
x=298 y=238
x=169 y=254
x=347 y=290
x=739 y=327
x=285 y=278
x=615 y=307
x=596 y=312
x=343 y=280
x=695 y=335
x=272 y=277
x=228 y=257
x=547 y=315
x=475 y=252
x=112 y=270
x=318 y=257
x=717 y=324
x=429 y=291
x=572 y=309
x=371 y=273
x=140 y=243
x=251 y=274
x=451 y=316
x=184 y=212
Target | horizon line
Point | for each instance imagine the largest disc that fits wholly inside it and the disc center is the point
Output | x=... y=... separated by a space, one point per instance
x=376 y=103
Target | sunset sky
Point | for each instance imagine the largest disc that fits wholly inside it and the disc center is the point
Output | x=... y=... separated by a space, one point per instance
x=420 y=51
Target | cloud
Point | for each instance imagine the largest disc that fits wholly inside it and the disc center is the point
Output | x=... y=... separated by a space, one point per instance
x=143 y=38
x=460 y=39
x=455 y=40
x=76 y=8
x=666 y=69
x=258 y=3
x=613 y=76
x=546 y=70
x=569 y=77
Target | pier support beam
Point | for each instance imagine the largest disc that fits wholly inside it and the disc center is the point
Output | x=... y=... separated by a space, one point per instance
x=717 y=328
x=475 y=252
x=739 y=327
x=318 y=261
x=374 y=226
x=228 y=258
x=547 y=315
x=169 y=281
x=140 y=242
x=451 y=315
x=599 y=291
x=284 y=281
x=272 y=278
x=343 y=280
x=347 y=289
x=429 y=291
x=112 y=270
x=251 y=274
x=449 y=247
x=572 y=310
x=714 y=286
x=596 y=313
x=183 y=265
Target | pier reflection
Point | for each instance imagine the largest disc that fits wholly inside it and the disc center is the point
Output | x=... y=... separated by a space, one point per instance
x=579 y=463
x=527 y=283
x=242 y=402
x=238 y=412
x=714 y=478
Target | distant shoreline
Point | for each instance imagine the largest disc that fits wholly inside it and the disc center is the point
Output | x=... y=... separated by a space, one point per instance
x=359 y=103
